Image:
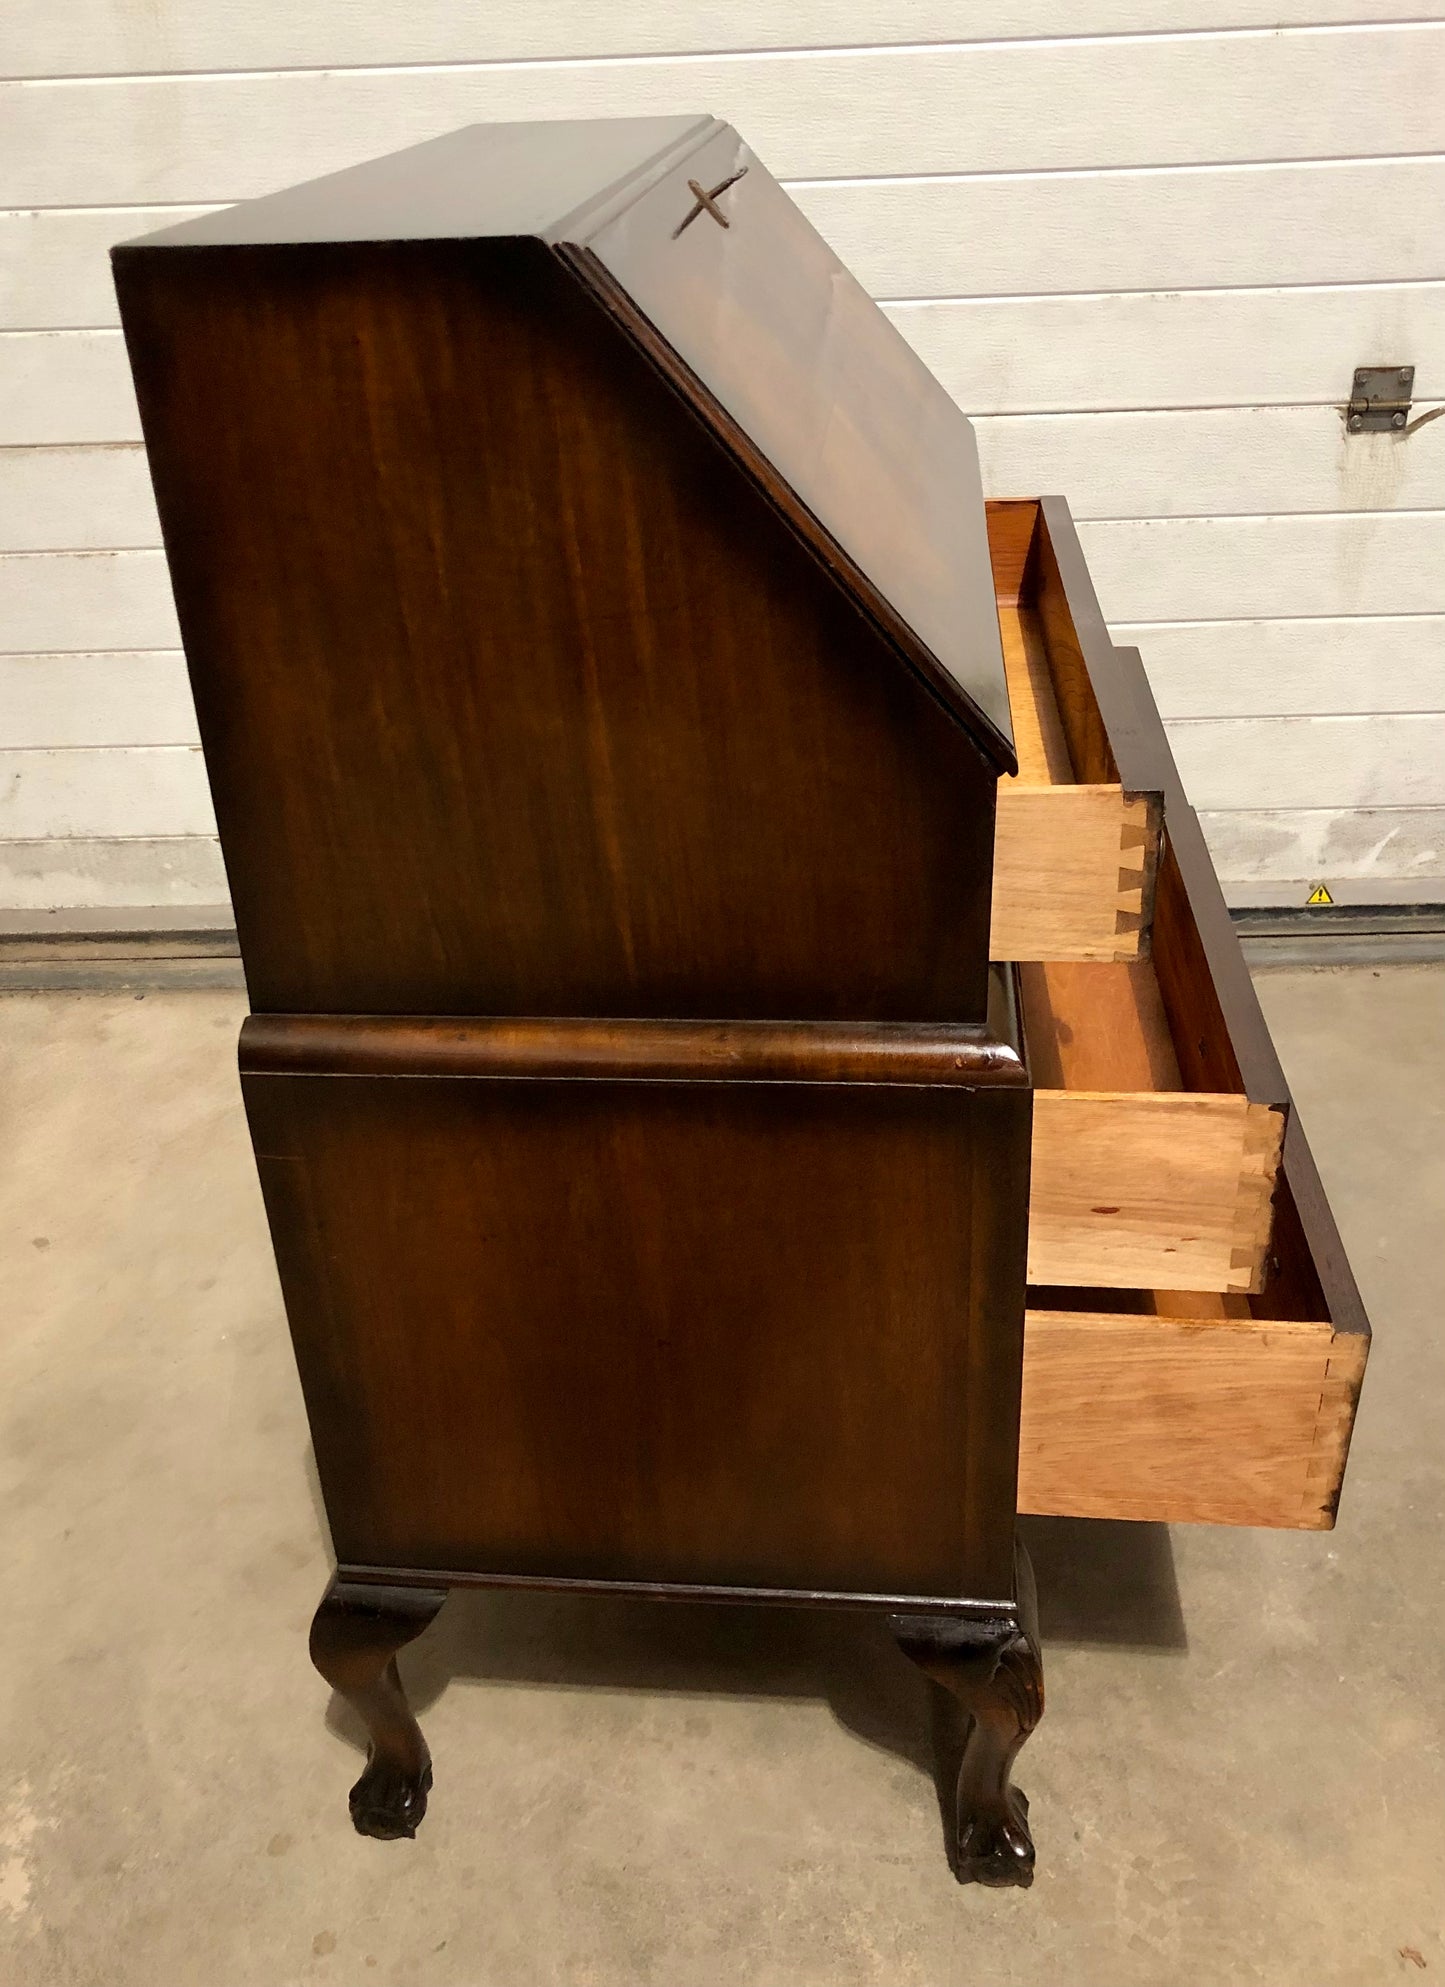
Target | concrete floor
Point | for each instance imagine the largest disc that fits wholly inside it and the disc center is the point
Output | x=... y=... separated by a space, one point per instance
x=1239 y=1777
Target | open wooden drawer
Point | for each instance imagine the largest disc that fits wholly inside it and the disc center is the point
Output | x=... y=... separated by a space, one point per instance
x=1191 y=1407
x=1194 y=1342
x=1075 y=848
x=1154 y=1161
x=1140 y=1179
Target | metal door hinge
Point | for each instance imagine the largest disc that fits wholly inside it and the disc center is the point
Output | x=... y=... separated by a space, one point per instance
x=1380 y=399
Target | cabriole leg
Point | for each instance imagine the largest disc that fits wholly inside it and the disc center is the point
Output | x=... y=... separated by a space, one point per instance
x=354 y=1639
x=994 y=1670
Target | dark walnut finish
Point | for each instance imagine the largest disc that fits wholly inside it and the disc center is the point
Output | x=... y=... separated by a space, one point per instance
x=354 y=1639
x=658 y=1310
x=586 y=597
x=991 y=1667
x=653 y=1307
x=528 y=683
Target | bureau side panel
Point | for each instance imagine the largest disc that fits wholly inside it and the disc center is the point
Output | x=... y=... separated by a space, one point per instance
x=755 y=1334
x=517 y=696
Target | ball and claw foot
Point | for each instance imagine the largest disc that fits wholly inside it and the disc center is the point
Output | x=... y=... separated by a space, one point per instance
x=997 y=1849
x=387 y=1803
x=354 y=1639
x=992 y=1669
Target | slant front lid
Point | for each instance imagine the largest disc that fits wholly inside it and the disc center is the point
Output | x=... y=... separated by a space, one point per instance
x=830 y=394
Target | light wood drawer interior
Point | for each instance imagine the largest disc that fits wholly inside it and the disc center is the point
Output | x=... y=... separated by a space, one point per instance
x=1224 y=1400
x=1075 y=855
x=1193 y=1343
x=1141 y=1178
x=1139 y=1181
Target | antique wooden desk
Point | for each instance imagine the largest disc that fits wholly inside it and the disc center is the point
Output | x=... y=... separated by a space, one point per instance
x=632 y=741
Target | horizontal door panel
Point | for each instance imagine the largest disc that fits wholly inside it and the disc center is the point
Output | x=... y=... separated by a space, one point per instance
x=1301 y=94
x=91 y=37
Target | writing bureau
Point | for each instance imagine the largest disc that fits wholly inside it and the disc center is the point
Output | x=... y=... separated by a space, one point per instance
x=635 y=752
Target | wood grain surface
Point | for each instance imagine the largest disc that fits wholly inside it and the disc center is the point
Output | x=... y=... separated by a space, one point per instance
x=716 y=787
x=1185 y=1420
x=630 y=1330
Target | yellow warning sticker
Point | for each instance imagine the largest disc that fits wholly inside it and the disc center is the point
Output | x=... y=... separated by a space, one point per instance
x=1319 y=895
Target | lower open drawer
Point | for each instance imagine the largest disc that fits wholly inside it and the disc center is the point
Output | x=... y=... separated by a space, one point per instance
x=1183 y=1417
x=1179 y=1405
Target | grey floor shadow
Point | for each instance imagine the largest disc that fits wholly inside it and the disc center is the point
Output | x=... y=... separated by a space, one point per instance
x=1105 y=1583
x=582 y=1642
x=1101 y=1584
